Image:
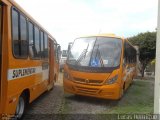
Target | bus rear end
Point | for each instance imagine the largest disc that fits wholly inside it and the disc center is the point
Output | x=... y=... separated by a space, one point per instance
x=94 y=67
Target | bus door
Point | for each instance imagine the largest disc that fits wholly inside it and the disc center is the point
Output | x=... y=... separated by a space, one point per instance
x=0 y=58
x=51 y=61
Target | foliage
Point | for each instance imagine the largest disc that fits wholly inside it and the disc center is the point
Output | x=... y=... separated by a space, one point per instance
x=147 y=47
x=153 y=62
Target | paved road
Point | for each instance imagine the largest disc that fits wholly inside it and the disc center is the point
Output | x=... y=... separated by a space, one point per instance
x=56 y=104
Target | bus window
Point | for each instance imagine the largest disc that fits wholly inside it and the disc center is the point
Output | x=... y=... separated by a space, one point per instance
x=111 y=58
x=19 y=35
x=129 y=53
x=31 y=47
x=55 y=49
x=36 y=42
x=15 y=32
x=45 y=46
x=42 y=44
x=76 y=55
x=58 y=53
x=23 y=36
x=91 y=55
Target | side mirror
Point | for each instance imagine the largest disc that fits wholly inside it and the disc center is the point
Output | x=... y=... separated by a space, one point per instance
x=69 y=46
x=124 y=63
x=59 y=48
x=59 y=51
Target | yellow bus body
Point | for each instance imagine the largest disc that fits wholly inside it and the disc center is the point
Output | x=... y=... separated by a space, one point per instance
x=94 y=84
x=27 y=75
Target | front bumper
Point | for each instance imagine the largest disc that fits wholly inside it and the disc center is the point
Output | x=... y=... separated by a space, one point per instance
x=103 y=91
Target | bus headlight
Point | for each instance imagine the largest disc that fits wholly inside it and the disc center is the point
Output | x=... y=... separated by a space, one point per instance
x=112 y=80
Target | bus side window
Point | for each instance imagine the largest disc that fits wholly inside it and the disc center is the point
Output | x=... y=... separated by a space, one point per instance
x=45 y=46
x=125 y=54
x=42 y=44
x=55 y=48
x=19 y=35
x=129 y=54
x=23 y=36
x=36 y=42
x=31 y=38
x=58 y=53
x=15 y=32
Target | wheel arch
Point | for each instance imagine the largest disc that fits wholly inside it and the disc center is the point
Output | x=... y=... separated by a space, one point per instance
x=26 y=93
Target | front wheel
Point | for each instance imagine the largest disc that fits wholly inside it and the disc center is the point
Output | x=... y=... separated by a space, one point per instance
x=122 y=92
x=131 y=81
x=20 y=107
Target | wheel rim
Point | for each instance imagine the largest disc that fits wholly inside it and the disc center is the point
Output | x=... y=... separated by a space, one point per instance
x=20 y=107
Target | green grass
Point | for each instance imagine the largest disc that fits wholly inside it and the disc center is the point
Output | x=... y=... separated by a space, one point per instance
x=138 y=98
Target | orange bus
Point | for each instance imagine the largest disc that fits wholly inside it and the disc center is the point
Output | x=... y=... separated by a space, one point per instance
x=29 y=59
x=101 y=66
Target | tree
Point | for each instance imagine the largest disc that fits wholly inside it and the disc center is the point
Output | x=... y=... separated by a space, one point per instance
x=147 y=48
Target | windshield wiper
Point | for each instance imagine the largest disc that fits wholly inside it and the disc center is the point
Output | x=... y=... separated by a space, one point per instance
x=82 y=55
x=98 y=53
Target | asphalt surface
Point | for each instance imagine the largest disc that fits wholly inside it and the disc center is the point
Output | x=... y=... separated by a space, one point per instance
x=57 y=105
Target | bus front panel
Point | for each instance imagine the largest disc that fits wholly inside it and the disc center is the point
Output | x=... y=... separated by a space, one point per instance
x=94 y=69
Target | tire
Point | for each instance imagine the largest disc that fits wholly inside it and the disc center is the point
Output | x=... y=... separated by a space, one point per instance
x=77 y=96
x=122 y=92
x=131 y=81
x=20 y=109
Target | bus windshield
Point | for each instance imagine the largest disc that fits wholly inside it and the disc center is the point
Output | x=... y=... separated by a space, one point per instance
x=95 y=52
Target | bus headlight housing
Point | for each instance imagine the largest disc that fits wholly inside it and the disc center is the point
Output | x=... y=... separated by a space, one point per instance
x=112 y=80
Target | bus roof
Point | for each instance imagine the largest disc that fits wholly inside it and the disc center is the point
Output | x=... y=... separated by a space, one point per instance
x=28 y=16
x=109 y=35
x=104 y=35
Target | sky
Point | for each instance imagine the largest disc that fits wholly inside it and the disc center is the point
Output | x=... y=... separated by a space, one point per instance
x=66 y=20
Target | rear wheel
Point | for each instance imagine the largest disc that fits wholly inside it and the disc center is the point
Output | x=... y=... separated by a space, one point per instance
x=20 y=107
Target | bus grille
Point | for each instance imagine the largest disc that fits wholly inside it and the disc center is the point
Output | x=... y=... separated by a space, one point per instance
x=86 y=81
x=85 y=90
